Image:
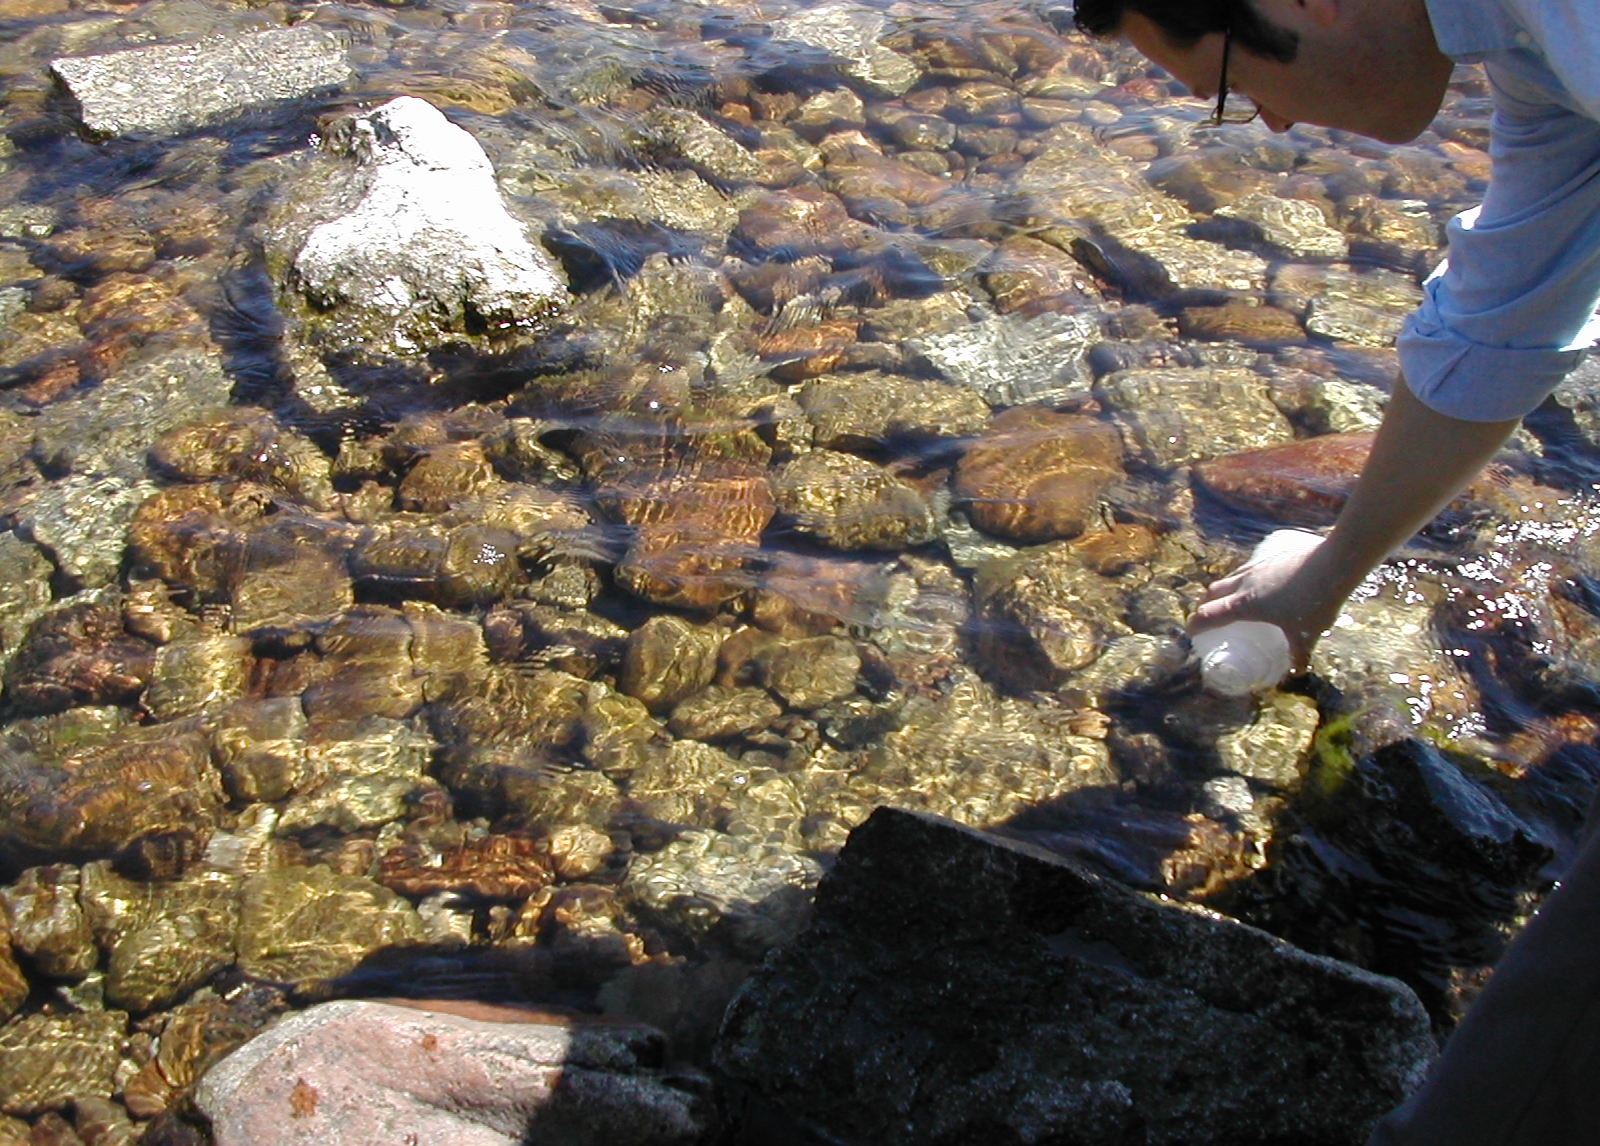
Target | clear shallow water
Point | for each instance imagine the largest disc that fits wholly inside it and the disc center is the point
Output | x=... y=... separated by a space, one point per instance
x=1045 y=192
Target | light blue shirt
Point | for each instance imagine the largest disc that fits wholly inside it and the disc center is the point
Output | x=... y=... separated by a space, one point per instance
x=1512 y=308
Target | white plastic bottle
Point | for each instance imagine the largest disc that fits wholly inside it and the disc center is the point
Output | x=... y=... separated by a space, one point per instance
x=1243 y=657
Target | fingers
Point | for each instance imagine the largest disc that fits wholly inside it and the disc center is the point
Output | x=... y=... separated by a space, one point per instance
x=1224 y=586
x=1209 y=614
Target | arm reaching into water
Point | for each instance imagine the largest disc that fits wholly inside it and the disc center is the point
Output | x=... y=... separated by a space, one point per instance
x=1420 y=459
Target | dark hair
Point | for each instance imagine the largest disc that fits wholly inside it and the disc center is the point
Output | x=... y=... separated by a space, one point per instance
x=1185 y=21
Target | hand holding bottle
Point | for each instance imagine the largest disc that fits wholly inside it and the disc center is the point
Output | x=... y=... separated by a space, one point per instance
x=1259 y=622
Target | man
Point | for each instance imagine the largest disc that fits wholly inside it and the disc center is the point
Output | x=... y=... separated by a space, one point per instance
x=1502 y=321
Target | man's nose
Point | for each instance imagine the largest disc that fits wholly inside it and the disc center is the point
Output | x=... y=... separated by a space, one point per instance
x=1275 y=122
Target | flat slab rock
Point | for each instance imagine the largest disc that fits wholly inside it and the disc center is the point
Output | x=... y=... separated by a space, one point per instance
x=955 y=987
x=163 y=89
x=362 y=1073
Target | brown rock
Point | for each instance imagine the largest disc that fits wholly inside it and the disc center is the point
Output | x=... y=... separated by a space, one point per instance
x=494 y=867
x=103 y=799
x=79 y=655
x=666 y=659
x=797 y=222
x=1298 y=483
x=1241 y=322
x=851 y=503
x=1037 y=475
x=696 y=494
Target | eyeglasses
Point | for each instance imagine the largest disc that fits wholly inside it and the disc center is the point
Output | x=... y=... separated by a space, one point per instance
x=1239 y=114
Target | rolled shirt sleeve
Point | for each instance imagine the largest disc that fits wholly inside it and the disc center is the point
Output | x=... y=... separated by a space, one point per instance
x=1512 y=309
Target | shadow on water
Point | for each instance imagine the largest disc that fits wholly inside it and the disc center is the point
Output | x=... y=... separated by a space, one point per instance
x=1407 y=857
x=1401 y=856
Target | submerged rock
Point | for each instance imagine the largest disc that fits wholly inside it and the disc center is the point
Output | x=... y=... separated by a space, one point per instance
x=1011 y=359
x=981 y=988
x=1042 y=615
x=851 y=503
x=167 y=88
x=308 y=925
x=1290 y=227
x=47 y=922
x=848 y=34
x=51 y=1060
x=162 y=939
x=1301 y=483
x=153 y=785
x=1037 y=475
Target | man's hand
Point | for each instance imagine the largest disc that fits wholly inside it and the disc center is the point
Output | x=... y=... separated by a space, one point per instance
x=1284 y=587
x=1420 y=459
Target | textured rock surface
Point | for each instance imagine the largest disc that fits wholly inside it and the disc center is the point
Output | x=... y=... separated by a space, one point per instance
x=167 y=88
x=958 y=988
x=373 y=1074
x=51 y=1060
x=1037 y=475
x=419 y=237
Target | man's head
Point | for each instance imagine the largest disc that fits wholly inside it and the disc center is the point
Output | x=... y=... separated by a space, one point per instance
x=1184 y=22
x=1367 y=66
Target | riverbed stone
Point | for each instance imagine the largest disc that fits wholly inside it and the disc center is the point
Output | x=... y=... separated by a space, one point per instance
x=864 y=410
x=52 y=1059
x=24 y=589
x=198 y=676
x=163 y=939
x=1011 y=359
x=365 y=775
x=848 y=35
x=300 y=925
x=407 y=241
x=717 y=712
x=1173 y=417
x=667 y=658
x=969 y=754
x=748 y=896
x=1042 y=615
x=14 y=986
x=1289 y=227
x=369 y=1073
x=48 y=924
x=1037 y=475
x=849 y=502
x=106 y=431
x=1271 y=746
x=1009 y=987
x=164 y=89
x=147 y=785
x=808 y=674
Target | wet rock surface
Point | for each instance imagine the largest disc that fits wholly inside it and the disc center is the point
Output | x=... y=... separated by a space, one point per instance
x=887 y=392
x=365 y=1072
x=170 y=87
x=1257 y=1042
x=419 y=241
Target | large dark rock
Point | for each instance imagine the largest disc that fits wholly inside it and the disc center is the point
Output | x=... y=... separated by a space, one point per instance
x=958 y=988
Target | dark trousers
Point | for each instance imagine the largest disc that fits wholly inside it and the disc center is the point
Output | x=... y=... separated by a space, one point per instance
x=1523 y=1068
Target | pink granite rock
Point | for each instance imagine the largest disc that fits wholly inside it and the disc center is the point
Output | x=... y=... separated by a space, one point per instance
x=380 y=1074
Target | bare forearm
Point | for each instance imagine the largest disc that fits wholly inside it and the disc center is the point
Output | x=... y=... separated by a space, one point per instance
x=1420 y=460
